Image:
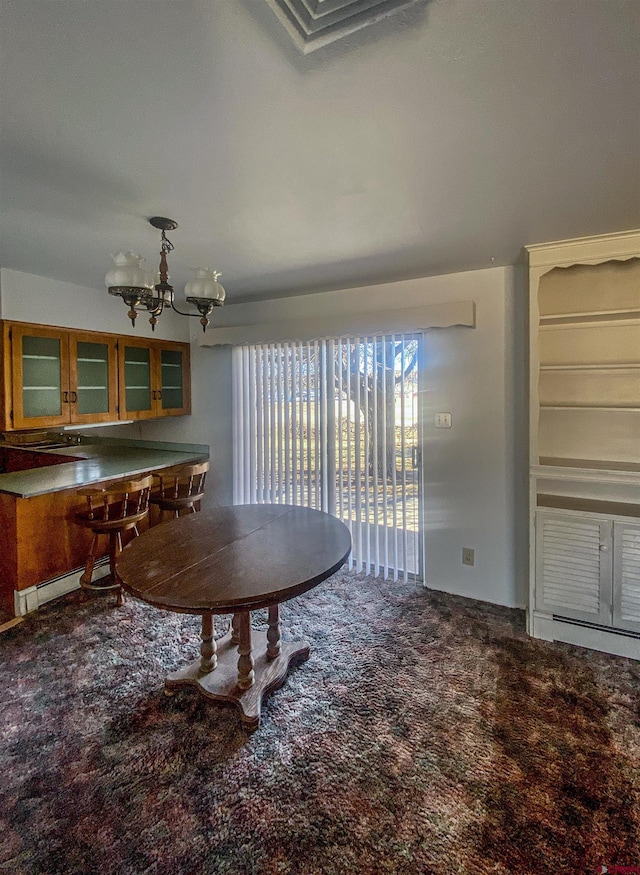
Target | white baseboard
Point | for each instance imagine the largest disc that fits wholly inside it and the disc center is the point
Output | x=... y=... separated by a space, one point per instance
x=27 y=600
x=550 y=628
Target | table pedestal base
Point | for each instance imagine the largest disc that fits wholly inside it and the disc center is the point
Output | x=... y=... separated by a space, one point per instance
x=221 y=684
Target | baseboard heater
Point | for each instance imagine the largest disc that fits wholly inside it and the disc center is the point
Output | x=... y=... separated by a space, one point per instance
x=597 y=626
x=27 y=600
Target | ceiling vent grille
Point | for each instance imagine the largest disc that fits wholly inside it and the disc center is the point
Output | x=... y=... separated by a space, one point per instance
x=315 y=23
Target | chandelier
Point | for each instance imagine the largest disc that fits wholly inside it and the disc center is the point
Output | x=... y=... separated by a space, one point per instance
x=141 y=289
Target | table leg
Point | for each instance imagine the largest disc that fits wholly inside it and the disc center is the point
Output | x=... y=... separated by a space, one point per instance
x=273 y=633
x=246 y=674
x=235 y=630
x=208 y=647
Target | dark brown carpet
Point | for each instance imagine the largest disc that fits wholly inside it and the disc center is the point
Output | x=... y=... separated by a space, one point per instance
x=426 y=734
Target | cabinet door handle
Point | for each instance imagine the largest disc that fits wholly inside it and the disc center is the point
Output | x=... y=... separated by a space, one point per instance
x=74 y=397
x=154 y=394
x=604 y=548
x=65 y=397
x=159 y=394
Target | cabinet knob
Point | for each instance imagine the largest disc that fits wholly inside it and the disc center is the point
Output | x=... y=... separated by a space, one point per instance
x=604 y=548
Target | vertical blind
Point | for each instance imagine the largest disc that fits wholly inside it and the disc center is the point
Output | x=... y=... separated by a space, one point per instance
x=332 y=425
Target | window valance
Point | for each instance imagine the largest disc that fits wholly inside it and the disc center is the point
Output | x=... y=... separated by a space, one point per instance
x=373 y=323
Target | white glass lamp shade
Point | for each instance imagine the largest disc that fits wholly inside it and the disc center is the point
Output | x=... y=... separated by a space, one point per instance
x=130 y=271
x=204 y=285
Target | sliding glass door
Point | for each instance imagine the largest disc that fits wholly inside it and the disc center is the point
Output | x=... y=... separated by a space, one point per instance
x=334 y=425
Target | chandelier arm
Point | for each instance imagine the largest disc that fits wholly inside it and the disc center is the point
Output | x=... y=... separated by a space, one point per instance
x=155 y=306
x=142 y=308
x=194 y=315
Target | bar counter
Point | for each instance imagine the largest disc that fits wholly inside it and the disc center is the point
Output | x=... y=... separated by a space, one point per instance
x=41 y=548
x=97 y=462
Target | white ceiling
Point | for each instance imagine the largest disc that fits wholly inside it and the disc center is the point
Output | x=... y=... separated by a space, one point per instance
x=439 y=139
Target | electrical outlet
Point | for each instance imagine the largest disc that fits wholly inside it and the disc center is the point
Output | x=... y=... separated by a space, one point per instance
x=468 y=556
x=442 y=420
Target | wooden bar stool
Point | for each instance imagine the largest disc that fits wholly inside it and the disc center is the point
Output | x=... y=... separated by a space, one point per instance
x=111 y=510
x=178 y=489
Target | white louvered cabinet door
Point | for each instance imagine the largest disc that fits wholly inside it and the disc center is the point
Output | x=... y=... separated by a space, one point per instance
x=573 y=566
x=626 y=576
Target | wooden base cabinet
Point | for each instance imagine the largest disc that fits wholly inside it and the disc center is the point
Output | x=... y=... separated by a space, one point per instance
x=588 y=569
x=38 y=541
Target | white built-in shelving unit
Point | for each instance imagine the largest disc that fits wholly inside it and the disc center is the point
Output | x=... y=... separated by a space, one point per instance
x=585 y=442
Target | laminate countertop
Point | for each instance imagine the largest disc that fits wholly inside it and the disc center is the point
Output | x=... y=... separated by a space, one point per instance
x=97 y=463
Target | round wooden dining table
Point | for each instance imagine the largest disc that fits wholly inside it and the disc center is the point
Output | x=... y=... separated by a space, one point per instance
x=232 y=560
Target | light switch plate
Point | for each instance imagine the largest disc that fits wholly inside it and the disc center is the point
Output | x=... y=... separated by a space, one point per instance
x=442 y=420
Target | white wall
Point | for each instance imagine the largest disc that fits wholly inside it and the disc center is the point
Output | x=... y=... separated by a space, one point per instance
x=476 y=471
x=25 y=297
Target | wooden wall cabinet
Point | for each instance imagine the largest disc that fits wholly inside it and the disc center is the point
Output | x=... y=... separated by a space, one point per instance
x=584 y=448
x=56 y=376
x=39 y=366
x=154 y=378
x=59 y=377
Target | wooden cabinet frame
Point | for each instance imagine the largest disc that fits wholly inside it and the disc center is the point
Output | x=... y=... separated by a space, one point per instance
x=19 y=419
x=156 y=348
x=12 y=414
x=124 y=412
x=183 y=349
x=111 y=342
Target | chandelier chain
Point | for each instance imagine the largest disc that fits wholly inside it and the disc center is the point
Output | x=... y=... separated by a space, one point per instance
x=167 y=245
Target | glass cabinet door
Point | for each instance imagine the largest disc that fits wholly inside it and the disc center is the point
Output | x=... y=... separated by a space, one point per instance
x=174 y=395
x=93 y=388
x=40 y=365
x=138 y=396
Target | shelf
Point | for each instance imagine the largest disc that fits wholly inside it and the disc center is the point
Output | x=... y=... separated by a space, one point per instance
x=623 y=366
x=589 y=317
x=590 y=343
x=45 y=358
x=41 y=388
x=630 y=408
x=588 y=505
x=600 y=470
x=600 y=464
x=553 y=324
